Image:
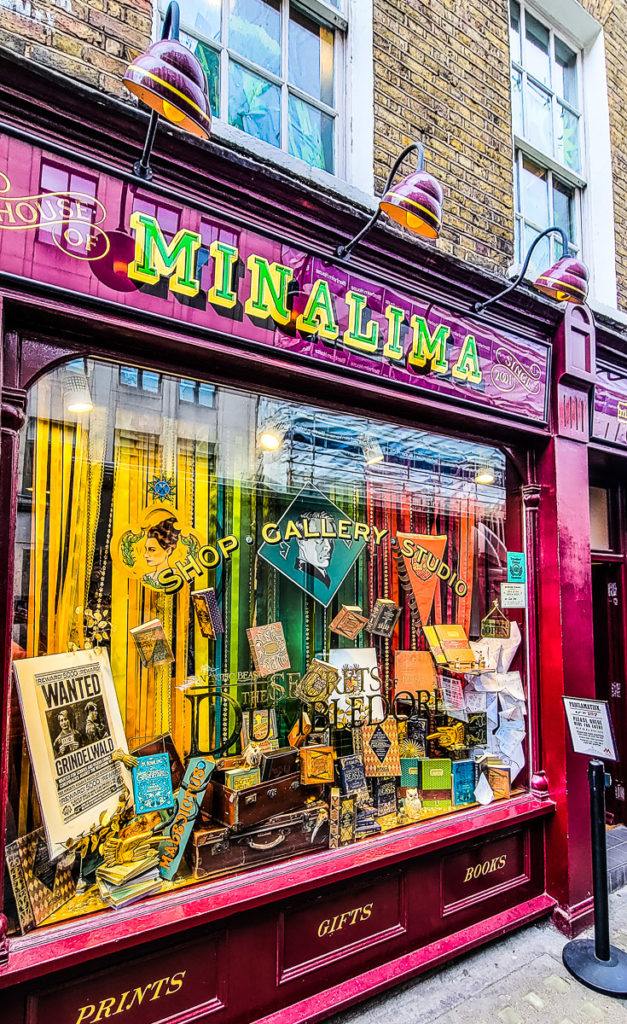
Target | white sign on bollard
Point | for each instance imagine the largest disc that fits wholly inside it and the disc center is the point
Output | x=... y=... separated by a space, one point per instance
x=590 y=727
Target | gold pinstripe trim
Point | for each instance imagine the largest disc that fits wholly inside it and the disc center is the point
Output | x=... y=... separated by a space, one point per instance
x=412 y=202
x=561 y=286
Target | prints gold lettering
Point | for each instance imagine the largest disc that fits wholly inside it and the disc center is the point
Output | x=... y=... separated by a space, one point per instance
x=110 y=1007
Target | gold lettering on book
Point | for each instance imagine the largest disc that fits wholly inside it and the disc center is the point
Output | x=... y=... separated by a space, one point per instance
x=112 y=1005
x=486 y=867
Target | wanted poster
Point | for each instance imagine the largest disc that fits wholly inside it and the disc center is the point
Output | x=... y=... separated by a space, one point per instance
x=73 y=724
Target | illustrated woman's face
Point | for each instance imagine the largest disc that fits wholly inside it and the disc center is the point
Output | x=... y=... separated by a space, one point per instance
x=155 y=555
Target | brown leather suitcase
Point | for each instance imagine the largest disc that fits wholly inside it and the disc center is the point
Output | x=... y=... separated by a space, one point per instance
x=244 y=808
x=218 y=850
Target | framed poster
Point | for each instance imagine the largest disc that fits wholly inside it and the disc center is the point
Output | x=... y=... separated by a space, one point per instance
x=73 y=724
x=590 y=727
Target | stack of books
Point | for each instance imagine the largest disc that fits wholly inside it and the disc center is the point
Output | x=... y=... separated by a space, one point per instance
x=121 y=884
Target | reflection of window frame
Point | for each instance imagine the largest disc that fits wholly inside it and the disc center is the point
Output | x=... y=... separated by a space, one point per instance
x=140 y=371
x=547 y=161
x=196 y=386
x=45 y=231
x=321 y=11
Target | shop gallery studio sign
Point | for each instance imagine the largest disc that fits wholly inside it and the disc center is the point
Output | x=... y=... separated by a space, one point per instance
x=94 y=234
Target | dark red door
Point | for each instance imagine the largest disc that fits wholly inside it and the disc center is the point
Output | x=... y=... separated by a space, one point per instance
x=609 y=668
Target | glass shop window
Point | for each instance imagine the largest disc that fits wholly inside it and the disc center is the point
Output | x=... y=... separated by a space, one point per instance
x=244 y=618
x=547 y=114
x=271 y=69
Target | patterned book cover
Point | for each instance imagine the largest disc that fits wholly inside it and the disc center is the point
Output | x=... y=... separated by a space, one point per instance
x=348 y=622
x=318 y=681
x=260 y=726
x=152 y=644
x=434 y=645
x=381 y=755
x=268 y=648
x=500 y=779
x=241 y=778
x=455 y=645
x=414 y=671
x=417 y=731
x=463 y=782
x=384 y=796
x=300 y=730
x=439 y=803
x=208 y=612
x=434 y=773
x=477 y=729
x=39 y=886
x=409 y=772
x=341 y=819
x=316 y=765
x=353 y=775
x=383 y=617
x=152 y=783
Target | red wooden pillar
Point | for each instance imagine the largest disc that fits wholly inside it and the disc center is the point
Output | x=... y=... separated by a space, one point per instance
x=564 y=624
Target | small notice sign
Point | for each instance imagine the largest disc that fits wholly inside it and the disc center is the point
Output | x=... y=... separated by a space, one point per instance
x=590 y=727
x=513 y=595
x=516 y=567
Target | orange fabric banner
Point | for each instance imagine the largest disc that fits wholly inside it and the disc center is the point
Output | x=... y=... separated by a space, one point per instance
x=423 y=579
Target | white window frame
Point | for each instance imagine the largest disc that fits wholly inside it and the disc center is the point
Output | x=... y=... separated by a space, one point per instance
x=353 y=78
x=594 y=196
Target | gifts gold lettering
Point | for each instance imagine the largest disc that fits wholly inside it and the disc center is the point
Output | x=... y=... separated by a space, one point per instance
x=345 y=920
x=113 y=1005
x=486 y=867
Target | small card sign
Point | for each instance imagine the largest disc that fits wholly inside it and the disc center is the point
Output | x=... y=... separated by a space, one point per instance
x=516 y=568
x=590 y=727
x=513 y=595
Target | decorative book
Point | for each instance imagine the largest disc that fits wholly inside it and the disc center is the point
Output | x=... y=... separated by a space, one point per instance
x=241 y=778
x=268 y=649
x=341 y=819
x=434 y=773
x=152 y=644
x=383 y=617
x=409 y=772
x=417 y=730
x=381 y=756
x=414 y=671
x=318 y=681
x=316 y=766
x=152 y=783
x=434 y=645
x=277 y=763
x=463 y=782
x=455 y=645
x=384 y=796
x=260 y=726
x=348 y=622
x=500 y=779
x=353 y=776
x=477 y=729
x=208 y=612
x=300 y=730
x=40 y=886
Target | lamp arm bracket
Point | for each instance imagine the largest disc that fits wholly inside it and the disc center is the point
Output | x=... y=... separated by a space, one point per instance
x=479 y=306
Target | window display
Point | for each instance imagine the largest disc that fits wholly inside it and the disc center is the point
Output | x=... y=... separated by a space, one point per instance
x=240 y=637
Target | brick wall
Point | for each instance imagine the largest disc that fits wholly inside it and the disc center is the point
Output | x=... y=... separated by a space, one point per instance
x=442 y=73
x=91 y=40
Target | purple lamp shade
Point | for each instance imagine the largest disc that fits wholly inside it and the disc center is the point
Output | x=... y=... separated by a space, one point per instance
x=169 y=79
x=566 y=281
x=416 y=203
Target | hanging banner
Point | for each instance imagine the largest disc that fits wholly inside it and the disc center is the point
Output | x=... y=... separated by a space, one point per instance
x=422 y=555
x=75 y=229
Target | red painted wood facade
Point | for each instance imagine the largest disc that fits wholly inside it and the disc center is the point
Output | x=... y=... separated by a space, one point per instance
x=284 y=944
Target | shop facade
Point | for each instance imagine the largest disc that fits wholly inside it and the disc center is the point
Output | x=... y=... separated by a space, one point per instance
x=310 y=439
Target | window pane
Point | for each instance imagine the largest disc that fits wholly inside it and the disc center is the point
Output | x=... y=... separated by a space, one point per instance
x=310 y=58
x=539 y=124
x=541 y=259
x=537 y=49
x=565 y=73
x=186 y=390
x=534 y=194
x=517 y=104
x=564 y=209
x=129 y=376
x=568 y=149
x=202 y=16
x=514 y=38
x=150 y=381
x=206 y=395
x=254 y=104
x=255 y=32
x=310 y=134
x=210 y=61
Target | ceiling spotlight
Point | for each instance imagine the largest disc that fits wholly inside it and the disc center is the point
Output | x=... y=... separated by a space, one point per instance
x=76 y=393
x=484 y=475
x=271 y=436
x=371 y=449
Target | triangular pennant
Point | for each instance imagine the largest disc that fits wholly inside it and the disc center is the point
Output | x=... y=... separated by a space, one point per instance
x=423 y=580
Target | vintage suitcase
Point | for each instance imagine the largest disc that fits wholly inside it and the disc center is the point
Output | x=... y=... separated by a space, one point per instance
x=248 y=807
x=217 y=850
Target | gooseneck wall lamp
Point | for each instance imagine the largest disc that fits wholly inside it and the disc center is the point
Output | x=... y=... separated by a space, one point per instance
x=170 y=80
x=566 y=280
x=416 y=202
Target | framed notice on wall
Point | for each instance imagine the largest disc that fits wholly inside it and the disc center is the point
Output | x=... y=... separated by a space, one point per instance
x=590 y=727
x=73 y=724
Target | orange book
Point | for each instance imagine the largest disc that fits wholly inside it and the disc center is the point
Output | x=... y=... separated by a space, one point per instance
x=414 y=671
x=455 y=645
